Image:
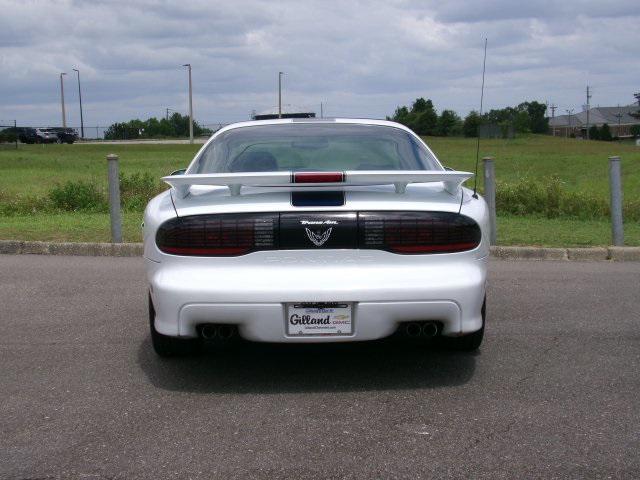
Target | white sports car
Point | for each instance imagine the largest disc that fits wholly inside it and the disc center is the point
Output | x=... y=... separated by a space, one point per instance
x=315 y=230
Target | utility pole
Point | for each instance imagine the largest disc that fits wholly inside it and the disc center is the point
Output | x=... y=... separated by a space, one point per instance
x=321 y=110
x=280 y=94
x=188 y=65
x=64 y=115
x=80 y=98
x=569 y=112
x=553 y=116
x=619 y=117
x=588 y=108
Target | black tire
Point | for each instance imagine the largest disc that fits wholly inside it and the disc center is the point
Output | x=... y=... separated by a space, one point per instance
x=470 y=342
x=166 y=346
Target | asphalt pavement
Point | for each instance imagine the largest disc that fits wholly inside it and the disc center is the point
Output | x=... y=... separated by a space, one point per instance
x=553 y=393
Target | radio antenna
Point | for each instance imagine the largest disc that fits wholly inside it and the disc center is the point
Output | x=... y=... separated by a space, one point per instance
x=475 y=178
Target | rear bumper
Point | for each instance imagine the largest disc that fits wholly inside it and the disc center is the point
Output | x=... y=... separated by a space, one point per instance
x=251 y=291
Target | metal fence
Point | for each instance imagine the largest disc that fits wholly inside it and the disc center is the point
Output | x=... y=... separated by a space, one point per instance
x=91 y=133
x=8 y=136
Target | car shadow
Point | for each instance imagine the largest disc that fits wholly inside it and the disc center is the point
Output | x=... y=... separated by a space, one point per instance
x=247 y=367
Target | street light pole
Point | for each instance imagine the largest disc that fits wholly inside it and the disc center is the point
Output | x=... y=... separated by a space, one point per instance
x=64 y=115
x=80 y=98
x=188 y=65
x=280 y=94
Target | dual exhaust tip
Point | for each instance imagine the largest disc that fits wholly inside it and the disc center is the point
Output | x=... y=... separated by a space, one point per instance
x=421 y=329
x=212 y=331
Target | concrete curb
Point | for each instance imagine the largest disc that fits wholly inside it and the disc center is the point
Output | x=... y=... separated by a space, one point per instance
x=618 y=254
x=529 y=253
x=71 y=248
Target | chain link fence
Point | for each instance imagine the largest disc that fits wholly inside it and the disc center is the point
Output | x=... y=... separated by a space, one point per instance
x=8 y=136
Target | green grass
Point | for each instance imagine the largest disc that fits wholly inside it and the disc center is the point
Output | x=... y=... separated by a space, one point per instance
x=582 y=166
x=94 y=227
x=34 y=169
x=561 y=232
x=69 y=227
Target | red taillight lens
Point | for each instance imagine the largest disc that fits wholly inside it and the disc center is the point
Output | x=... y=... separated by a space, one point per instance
x=318 y=177
x=418 y=232
x=218 y=235
x=397 y=232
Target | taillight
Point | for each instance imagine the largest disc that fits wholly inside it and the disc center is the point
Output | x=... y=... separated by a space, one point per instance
x=396 y=232
x=318 y=177
x=218 y=235
x=418 y=232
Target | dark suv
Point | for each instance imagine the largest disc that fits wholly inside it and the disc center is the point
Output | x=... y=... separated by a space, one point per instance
x=27 y=134
x=65 y=135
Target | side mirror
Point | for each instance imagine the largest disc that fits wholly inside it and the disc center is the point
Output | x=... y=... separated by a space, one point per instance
x=178 y=172
x=446 y=168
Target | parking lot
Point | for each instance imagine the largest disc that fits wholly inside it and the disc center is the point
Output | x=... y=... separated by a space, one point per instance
x=553 y=392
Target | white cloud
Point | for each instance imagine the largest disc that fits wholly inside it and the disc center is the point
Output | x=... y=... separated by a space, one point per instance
x=362 y=58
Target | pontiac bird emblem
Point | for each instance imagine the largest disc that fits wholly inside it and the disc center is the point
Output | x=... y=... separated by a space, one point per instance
x=319 y=238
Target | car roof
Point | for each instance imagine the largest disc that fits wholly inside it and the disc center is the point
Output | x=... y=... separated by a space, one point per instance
x=280 y=121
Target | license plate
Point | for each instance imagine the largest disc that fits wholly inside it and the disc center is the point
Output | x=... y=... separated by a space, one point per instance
x=319 y=319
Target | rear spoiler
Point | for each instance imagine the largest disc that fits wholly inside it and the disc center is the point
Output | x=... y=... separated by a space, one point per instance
x=400 y=179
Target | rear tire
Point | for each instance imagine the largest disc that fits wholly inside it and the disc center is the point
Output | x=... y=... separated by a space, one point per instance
x=470 y=342
x=167 y=346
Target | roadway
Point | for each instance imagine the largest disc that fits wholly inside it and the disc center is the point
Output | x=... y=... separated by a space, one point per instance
x=553 y=393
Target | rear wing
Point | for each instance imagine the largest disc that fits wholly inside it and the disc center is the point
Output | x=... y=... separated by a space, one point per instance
x=295 y=180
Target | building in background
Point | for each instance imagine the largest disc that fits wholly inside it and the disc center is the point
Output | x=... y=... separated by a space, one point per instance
x=620 y=120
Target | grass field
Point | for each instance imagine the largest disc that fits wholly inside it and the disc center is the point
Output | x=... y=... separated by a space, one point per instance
x=582 y=166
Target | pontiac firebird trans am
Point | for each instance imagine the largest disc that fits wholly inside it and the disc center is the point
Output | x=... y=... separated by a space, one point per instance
x=315 y=230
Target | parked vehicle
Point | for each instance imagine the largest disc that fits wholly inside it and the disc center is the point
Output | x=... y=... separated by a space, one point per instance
x=8 y=135
x=27 y=135
x=309 y=230
x=65 y=135
x=46 y=135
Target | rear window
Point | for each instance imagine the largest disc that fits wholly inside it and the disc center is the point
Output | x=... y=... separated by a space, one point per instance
x=314 y=147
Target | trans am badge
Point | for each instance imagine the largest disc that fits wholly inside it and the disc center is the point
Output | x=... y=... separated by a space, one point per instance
x=318 y=238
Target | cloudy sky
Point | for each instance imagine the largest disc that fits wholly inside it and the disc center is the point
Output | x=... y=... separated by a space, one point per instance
x=361 y=58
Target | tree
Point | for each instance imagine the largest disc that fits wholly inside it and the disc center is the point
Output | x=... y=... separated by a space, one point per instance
x=538 y=122
x=422 y=118
x=594 y=132
x=522 y=122
x=175 y=126
x=635 y=130
x=401 y=115
x=448 y=123
x=605 y=133
x=426 y=120
x=471 y=124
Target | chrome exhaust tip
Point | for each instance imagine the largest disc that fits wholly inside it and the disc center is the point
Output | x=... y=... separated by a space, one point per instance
x=225 y=332
x=412 y=329
x=209 y=332
x=429 y=329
